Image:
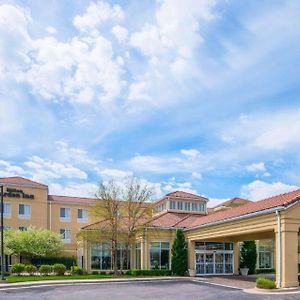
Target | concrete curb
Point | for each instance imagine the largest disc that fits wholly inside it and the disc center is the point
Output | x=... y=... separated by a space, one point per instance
x=283 y=291
x=43 y=283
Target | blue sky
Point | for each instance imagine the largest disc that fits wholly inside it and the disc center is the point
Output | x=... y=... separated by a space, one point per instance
x=201 y=96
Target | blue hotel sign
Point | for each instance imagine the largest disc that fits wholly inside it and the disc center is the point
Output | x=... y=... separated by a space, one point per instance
x=16 y=193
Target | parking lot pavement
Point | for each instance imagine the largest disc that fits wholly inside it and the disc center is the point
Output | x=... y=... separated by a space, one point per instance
x=175 y=290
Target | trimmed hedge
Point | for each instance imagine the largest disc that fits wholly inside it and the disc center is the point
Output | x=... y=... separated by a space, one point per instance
x=30 y=269
x=76 y=271
x=45 y=269
x=154 y=272
x=265 y=271
x=264 y=283
x=59 y=269
x=68 y=261
x=18 y=268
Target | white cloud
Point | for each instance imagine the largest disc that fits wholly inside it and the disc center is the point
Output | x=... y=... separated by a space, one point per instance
x=7 y=169
x=276 y=130
x=139 y=91
x=114 y=173
x=197 y=175
x=176 y=28
x=172 y=185
x=44 y=169
x=51 y=30
x=73 y=189
x=15 y=42
x=82 y=69
x=258 y=189
x=96 y=14
x=257 y=167
x=190 y=152
x=120 y=33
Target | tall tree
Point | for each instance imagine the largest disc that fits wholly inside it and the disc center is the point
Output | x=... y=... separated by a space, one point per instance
x=248 y=256
x=33 y=242
x=179 y=254
x=122 y=208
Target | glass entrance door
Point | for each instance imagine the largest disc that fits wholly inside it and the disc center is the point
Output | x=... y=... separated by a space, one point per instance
x=214 y=262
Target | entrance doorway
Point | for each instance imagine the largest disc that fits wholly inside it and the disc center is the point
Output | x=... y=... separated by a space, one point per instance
x=214 y=262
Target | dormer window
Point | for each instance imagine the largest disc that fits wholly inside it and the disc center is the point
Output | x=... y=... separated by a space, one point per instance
x=172 y=205
x=187 y=206
x=179 y=205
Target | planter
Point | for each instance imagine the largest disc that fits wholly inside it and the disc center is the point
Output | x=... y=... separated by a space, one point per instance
x=244 y=271
x=192 y=273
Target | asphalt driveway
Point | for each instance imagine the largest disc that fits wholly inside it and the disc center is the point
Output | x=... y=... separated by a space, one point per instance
x=174 y=290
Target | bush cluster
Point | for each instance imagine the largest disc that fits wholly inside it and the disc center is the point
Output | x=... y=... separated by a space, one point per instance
x=59 y=269
x=76 y=270
x=18 y=268
x=30 y=269
x=264 y=283
x=154 y=272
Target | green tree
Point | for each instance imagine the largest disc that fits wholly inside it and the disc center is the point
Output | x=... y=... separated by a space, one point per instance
x=248 y=256
x=179 y=254
x=33 y=242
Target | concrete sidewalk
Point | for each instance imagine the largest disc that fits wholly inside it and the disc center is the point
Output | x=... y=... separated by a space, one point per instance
x=4 y=285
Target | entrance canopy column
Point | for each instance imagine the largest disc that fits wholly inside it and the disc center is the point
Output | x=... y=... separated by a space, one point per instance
x=236 y=258
x=287 y=257
x=191 y=254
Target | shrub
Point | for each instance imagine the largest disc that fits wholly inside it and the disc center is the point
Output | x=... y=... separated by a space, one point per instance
x=68 y=261
x=179 y=254
x=95 y=272
x=154 y=272
x=18 y=268
x=30 y=269
x=102 y=273
x=59 y=269
x=76 y=271
x=265 y=271
x=248 y=256
x=264 y=283
x=45 y=269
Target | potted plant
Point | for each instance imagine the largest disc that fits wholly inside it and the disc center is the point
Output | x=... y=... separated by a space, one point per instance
x=248 y=258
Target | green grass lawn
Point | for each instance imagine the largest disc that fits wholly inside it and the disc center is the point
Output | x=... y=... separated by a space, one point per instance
x=12 y=279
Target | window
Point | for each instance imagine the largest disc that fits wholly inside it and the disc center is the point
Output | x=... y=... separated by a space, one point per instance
x=172 y=204
x=6 y=210
x=194 y=206
x=66 y=235
x=187 y=205
x=101 y=256
x=24 y=211
x=138 y=255
x=265 y=257
x=65 y=214
x=82 y=215
x=179 y=205
x=159 y=255
x=23 y=228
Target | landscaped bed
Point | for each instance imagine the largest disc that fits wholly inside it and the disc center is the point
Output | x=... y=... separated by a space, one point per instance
x=24 y=278
x=264 y=283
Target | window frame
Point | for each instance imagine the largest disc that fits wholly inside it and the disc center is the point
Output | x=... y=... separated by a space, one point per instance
x=63 y=235
x=65 y=218
x=84 y=219
x=24 y=216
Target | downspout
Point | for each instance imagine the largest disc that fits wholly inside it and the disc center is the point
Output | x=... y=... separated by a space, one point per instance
x=50 y=215
x=279 y=247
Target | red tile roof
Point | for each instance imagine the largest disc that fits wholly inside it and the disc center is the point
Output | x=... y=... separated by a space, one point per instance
x=234 y=202
x=182 y=195
x=173 y=219
x=272 y=202
x=21 y=181
x=71 y=200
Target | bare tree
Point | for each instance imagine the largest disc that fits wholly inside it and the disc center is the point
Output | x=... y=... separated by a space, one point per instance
x=122 y=210
x=108 y=209
x=136 y=210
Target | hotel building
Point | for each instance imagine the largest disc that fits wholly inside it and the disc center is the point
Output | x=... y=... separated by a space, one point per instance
x=214 y=235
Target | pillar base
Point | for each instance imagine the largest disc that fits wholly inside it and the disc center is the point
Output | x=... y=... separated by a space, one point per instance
x=288 y=284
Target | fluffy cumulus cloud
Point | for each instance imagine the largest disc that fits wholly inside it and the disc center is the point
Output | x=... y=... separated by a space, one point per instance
x=46 y=169
x=113 y=173
x=97 y=14
x=276 y=130
x=258 y=189
x=256 y=167
x=83 y=69
x=73 y=189
x=8 y=169
x=120 y=33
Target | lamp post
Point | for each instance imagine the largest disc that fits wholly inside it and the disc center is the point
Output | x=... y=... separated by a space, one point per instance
x=2 y=239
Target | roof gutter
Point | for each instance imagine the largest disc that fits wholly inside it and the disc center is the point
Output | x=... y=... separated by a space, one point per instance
x=258 y=213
